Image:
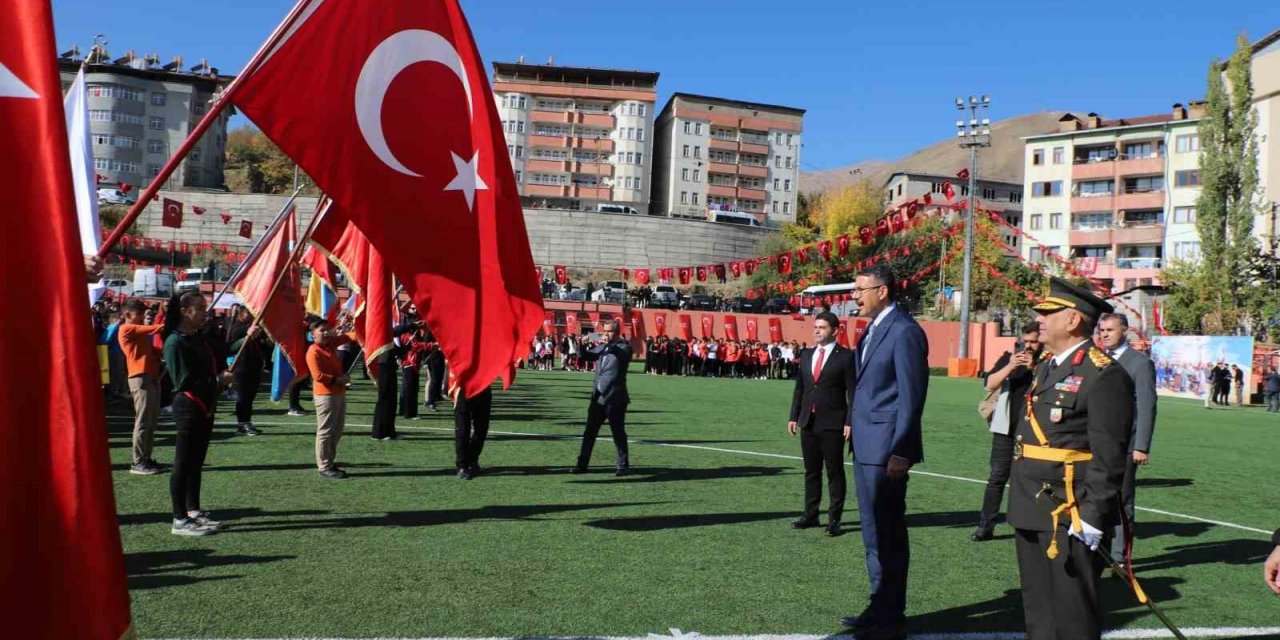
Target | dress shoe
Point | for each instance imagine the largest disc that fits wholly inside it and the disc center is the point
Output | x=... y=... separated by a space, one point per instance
x=805 y=523
x=465 y=474
x=833 y=528
x=578 y=470
x=981 y=534
x=622 y=471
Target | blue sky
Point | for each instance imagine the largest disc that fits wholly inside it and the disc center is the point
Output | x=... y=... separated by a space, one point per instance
x=878 y=78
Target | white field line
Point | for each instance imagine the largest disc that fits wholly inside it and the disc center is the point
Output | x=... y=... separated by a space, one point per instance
x=1174 y=514
x=1119 y=634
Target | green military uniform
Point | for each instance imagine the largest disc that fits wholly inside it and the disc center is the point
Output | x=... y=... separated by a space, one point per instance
x=1074 y=438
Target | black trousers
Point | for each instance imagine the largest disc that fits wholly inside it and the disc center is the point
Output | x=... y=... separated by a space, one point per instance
x=1060 y=597
x=823 y=448
x=471 y=428
x=597 y=413
x=409 y=392
x=384 y=410
x=997 y=477
x=194 y=429
x=248 y=379
x=1127 y=494
x=435 y=386
x=295 y=396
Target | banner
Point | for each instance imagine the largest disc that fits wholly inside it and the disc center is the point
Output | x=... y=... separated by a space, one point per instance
x=637 y=324
x=1185 y=364
x=571 y=325
x=842 y=335
x=752 y=330
x=708 y=325
x=595 y=320
x=660 y=322
x=731 y=328
x=549 y=323
x=686 y=326
x=775 y=329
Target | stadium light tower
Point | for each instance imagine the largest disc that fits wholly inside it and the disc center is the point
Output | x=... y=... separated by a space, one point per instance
x=973 y=135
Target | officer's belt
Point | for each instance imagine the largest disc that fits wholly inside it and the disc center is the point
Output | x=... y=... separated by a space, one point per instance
x=1068 y=458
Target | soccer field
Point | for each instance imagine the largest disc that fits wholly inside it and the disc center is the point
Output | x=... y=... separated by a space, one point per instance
x=697 y=538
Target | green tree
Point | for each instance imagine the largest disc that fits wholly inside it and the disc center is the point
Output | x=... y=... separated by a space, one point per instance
x=256 y=165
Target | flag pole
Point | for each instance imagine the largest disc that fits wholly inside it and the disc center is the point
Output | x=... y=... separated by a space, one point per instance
x=257 y=248
x=219 y=103
x=294 y=256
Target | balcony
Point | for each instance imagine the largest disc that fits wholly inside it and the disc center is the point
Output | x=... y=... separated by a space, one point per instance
x=1145 y=234
x=1093 y=169
x=559 y=117
x=546 y=190
x=720 y=167
x=751 y=194
x=1092 y=237
x=1093 y=202
x=746 y=147
x=723 y=144
x=593 y=144
x=604 y=120
x=1140 y=199
x=602 y=169
x=1139 y=263
x=721 y=191
x=1127 y=166
x=548 y=166
x=754 y=171
x=598 y=193
x=558 y=142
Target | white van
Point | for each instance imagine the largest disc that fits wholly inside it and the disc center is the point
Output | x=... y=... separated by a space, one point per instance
x=149 y=284
x=191 y=279
x=734 y=217
x=617 y=208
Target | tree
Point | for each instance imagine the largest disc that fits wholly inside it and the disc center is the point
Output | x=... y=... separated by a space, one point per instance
x=256 y=165
x=843 y=211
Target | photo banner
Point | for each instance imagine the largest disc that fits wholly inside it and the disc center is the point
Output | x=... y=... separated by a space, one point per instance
x=1185 y=364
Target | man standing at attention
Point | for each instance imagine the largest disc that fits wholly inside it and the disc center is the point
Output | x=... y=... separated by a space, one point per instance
x=329 y=390
x=609 y=398
x=1113 y=330
x=142 y=359
x=892 y=361
x=1068 y=468
x=820 y=411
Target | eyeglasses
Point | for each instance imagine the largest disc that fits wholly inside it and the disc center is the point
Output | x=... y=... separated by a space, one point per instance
x=876 y=286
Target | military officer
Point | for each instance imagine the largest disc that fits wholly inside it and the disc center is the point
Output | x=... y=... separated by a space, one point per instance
x=1069 y=464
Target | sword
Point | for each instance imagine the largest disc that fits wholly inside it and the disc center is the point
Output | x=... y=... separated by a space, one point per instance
x=1047 y=490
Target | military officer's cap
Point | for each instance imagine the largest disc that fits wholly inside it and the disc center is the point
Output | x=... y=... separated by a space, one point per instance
x=1064 y=295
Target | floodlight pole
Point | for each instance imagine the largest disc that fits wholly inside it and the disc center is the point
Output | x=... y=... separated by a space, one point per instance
x=973 y=135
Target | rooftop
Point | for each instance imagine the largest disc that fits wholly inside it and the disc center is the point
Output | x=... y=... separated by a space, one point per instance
x=575 y=75
x=1071 y=123
x=147 y=66
x=943 y=176
x=740 y=104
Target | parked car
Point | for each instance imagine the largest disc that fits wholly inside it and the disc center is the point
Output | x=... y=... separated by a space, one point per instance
x=570 y=292
x=665 y=296
x=118 y=288
x=699 y=302
x=610 y=291
x=744 y=305
x=107 y=195
x=192 y=278
x=779 y=306
x=617 y=208
x=150 y=284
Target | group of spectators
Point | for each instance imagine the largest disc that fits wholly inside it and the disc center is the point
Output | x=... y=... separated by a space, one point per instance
x=720 y=358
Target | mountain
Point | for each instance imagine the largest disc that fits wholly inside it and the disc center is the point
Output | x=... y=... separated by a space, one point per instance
x=1003 y=160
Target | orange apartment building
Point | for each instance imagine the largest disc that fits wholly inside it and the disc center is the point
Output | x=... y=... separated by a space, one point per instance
x=579 y=138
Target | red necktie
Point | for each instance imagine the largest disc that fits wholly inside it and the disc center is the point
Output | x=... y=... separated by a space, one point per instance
x=817 y=363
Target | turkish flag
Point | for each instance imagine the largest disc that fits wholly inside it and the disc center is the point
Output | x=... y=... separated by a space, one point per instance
x=197 y=210
x=637 y=324
x=865 y=234
x=414 y=155
x=172 y=214
x=562 y=274
x=60 y=540
x=784 y=263
x=842 y=335
x=548 y=323
x=731 y=328
x=882 y=226
x=802 y=255
x=124 y=188
x=824 y=250
x=948 y=190
x=718 y=269
x=963 y=174
x=660 y=323
x=596 y=322
x=642 y=276
x=368 y=275
x=246 y=229
x=897 y=222
x=753 y=330
x=686 y=326
x=281 y=315
x=571 y=325
x=735 y=268
x=226 y=217
x=750 y=266
x=708 y=325
x=702 y=273
x=775 y=329
x=686 y=274
x=665 y=274
x=186 y=247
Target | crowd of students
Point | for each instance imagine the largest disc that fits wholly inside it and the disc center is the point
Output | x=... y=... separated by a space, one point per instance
x=720 y=358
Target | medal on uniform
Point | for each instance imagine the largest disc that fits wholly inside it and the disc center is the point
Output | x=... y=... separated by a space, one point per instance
x=1055 y=414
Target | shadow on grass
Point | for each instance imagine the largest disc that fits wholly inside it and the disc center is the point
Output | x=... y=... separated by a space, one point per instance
x=429 y=518
x=1239 y=552
x=669 y=474
x=159 y=569
x=226 y=516
x=658 y=523
x=1160 y=483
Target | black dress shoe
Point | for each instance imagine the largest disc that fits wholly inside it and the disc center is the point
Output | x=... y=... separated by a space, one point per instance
x=465 y=474
x=981 y=534
x=578 y=470
x=805 y=523
x=851 y=622
x=833 y=528
x=622 y=471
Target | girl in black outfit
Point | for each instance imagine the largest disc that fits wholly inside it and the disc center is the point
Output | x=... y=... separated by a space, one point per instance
x=192 y=360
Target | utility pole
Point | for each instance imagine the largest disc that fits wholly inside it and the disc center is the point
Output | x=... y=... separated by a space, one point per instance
x=973 y=135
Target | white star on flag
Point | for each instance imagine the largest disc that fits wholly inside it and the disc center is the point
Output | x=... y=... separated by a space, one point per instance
x=12 y=87
x=468 y=180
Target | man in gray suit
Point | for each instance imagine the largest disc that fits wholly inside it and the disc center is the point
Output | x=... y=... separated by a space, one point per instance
x=1113 y=330
x=609 y=396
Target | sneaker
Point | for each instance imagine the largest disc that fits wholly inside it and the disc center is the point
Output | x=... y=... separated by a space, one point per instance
x=189 y=527
x=144 y=468
x=246 y=429
x=333 y=474
x=395 y=436
x=432 y=406
x=296 y=413
x=204 y=519
x=465 y=474
x=157 y=465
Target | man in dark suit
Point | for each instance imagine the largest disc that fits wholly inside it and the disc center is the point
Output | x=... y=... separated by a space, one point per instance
x=609 y=398
x=1113 y=331
x=892 y=361
x=819 y=411
x=1071 y=441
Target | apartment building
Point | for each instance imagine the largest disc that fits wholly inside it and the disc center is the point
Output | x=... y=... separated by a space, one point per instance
x=140 y=112
x=1265 y=70
x=717 y=154
x=579 y=138
x=999 y=197
x=1117 y=197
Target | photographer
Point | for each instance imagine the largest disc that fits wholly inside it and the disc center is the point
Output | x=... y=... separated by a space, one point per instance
x=1011 y=375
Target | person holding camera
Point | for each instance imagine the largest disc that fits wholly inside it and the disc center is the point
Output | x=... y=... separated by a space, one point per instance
x=609 y=397
x=1010 y=377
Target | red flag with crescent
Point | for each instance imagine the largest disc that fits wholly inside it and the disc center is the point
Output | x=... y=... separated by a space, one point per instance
x=665 y=273
x=701 y=270
x=718 y=269
x=197 y=210
x=642 y=276
x=784 y=263
x=731 y=328
x=660 y=323
x=824 y=250
x=562 y=274
x=571 y=325
x=865 y=234
x=226 y=217
x=749 y=266
x=802 y=255
x=735 y=268
x=686 y=275
x=686 y=326
x=775 y=329
x=246 y=229
x=549 y=323
x=171 y=214
x=842 y=245
x=281 y=314
x=708 y=325
x=594 y=316
x=752 y=329
x=637 y=324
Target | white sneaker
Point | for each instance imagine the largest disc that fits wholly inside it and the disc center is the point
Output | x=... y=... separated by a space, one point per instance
x=203 y=519
x=189 y=527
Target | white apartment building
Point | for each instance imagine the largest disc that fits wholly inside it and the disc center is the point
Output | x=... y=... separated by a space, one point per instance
x=579 y=138
x=996 y=196
x=716 y=154
x=1117 y=197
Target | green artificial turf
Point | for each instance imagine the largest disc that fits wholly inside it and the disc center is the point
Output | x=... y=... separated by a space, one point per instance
x=696 y=538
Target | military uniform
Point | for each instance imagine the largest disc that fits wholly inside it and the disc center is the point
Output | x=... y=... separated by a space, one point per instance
x=1073 y=438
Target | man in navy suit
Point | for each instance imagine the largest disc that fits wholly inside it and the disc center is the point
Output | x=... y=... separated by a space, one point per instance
x=892 y=361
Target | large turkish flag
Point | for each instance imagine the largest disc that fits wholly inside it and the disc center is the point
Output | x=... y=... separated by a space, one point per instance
x=387 y=106
x=59 y=537
x=281 y=315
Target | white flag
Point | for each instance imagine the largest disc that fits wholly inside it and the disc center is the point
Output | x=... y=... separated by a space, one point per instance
x=76 y=107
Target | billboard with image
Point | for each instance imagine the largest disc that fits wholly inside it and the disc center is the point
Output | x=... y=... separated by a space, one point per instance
x=1184 y=364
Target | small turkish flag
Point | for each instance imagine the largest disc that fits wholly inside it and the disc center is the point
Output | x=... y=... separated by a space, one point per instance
x=882 y=227
x=666 y=273
x=784 y=263
x=197 y=210
x=750 y=266
x=735 y=268
x=948 y=190
x=246 y=229
x=172 y=216
x=824 y=250
x=226 y=217
x=702 y=273
x=562 y=274
x=642 y=276
x=842 y=245
x=865 y=233
x=963 y=174
x=803 y=255
x=718 y=269
x=660 y=323
x=686 y=275
x=928 y=198
x=752 y=328
x=124 y=188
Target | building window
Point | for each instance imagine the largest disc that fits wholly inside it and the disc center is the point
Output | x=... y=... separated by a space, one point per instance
x=1188 y=143
x=989 y=194
x=789 y=139
x=786 y=184
x=153 y=170
x=157 y=123
x=786 y=207
x=778 y=139
x=1184 y=214
x=964 y=189
x=519 y=176
x=1036 y=220
x=1037 y=157
x=688 y=128
x=777 y=184
x=684 y=197
x=1055 y=221
x=686 y=151
x=195 y=154
x=641 y=110
x=519 y=151
x=1015 y=197
x=1094 y=188
x=697 y=175
x=155 y=146
x=697 y=152
x=1186 y=250
x=1147 y=184
x=695 y=197
x=1058 y=154
x=697 y=128
x=788 y=162
x=1046 y=189
x=684 y=175
x=1188 y=178
x=640 y=134
x=777 y=162
x=775 y=202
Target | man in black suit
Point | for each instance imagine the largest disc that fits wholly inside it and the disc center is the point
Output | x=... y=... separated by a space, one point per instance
x=470 y=428
x=819 y=406
x=609 y=397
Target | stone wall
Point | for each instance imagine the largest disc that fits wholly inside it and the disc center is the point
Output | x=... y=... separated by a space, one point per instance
x=574 y=238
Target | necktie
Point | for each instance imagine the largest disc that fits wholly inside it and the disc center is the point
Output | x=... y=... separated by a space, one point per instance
x=817 y=363
x=866 y=341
